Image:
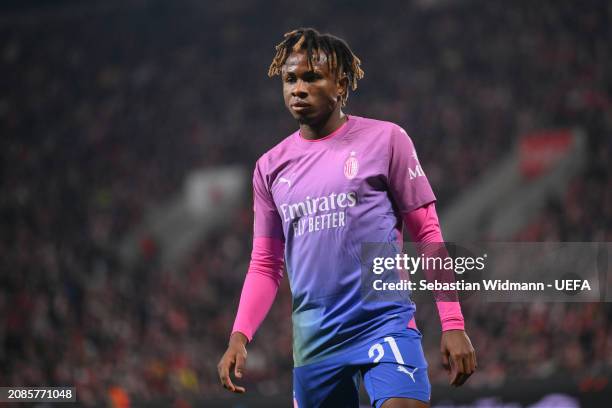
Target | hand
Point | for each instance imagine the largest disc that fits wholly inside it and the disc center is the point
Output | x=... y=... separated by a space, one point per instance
x=458 y=356
x=234 y=358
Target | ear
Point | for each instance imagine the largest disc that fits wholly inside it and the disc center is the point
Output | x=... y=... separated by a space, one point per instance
x=342 y=86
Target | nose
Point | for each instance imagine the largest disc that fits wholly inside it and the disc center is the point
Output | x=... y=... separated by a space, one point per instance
x=299 y=90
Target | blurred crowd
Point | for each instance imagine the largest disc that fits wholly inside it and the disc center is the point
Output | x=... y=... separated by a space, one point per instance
x=105 y=110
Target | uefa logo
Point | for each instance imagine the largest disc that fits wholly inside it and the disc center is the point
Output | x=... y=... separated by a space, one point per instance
x=351 y=166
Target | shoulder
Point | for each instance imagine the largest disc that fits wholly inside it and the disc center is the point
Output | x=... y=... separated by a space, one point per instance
x=377 y=127
x=378 y=135
x=270 y=160
x=364 y=123
x=277 y=153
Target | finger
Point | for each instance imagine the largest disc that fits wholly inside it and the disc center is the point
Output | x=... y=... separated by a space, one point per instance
x=233 y=387
x=471 y=363
x=453 y=375
x=445 y=362
x=224 y=368
x=462 y=378
x=240 y=364
x=239 y=390
x=227 y=383
x=468 y=369
x=458 y=369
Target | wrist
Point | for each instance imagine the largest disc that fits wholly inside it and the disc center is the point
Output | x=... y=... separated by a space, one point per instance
x=238 y=338
x=453 y=330
x=453 y=326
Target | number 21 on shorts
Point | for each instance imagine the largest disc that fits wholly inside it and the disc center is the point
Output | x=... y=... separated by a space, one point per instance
x=377 y=351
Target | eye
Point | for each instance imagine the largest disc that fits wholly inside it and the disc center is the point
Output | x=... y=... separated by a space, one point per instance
x=312 y=76
x=290 y=78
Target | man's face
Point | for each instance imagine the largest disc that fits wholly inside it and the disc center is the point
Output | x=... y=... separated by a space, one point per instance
x=310 y=95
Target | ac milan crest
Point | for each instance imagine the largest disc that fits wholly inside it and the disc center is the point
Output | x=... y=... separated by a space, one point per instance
x=351 y=166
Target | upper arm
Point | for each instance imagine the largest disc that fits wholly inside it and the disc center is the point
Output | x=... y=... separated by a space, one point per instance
x=267 y=221
x=408 y=183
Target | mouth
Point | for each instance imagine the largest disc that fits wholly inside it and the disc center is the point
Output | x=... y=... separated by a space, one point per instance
x=300 y=106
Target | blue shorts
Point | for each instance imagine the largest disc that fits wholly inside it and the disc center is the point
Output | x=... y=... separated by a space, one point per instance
x=393 y=366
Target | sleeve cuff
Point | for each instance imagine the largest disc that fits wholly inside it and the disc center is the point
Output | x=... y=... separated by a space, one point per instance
x=453 y=323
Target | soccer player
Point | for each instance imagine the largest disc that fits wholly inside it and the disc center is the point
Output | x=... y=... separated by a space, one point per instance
x=335 y=184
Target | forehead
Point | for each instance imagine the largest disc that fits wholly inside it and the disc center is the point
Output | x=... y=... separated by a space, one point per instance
x=298 y=61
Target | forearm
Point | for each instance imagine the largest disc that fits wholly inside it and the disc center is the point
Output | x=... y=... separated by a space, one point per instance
x=424 y=228
x=260 y=285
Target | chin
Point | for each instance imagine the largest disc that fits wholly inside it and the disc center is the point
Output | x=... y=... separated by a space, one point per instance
x=304 y=119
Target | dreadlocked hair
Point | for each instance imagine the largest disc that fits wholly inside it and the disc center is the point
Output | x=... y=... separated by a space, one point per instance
x=340 y=58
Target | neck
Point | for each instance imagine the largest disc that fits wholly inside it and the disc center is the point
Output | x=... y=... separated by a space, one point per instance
x=317 y=131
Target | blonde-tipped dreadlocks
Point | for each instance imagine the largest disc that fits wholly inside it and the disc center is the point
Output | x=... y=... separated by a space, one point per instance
x=340 y=58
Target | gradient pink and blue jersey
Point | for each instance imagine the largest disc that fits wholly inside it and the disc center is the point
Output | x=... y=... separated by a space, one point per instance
x=324 y=199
